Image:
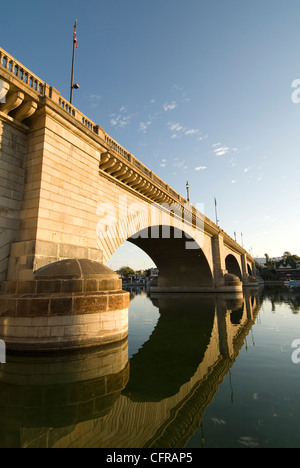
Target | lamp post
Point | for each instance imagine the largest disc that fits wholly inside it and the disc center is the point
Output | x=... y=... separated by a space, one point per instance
x=73 y=85
x=188 y=191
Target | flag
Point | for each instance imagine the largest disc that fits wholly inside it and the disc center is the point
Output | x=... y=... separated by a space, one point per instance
x=75 y=35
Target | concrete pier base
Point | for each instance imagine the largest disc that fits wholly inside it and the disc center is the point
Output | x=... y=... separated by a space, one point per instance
x=228 y=283
x=71 y=304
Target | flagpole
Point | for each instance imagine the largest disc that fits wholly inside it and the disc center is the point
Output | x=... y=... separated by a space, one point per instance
x=73 y=62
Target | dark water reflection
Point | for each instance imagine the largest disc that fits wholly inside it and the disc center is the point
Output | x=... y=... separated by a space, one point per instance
x=196 y=364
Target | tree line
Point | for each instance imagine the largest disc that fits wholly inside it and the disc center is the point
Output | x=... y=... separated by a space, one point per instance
x=287 y=257
x=127 y=272
x=269 y=273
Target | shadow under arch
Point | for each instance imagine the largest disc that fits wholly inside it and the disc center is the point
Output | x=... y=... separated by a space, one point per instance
x=232 y=266
x=181 y=269
x=176 y=347
x=237 y=315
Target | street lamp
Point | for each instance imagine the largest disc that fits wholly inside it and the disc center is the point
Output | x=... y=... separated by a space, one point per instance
x=74 y=86
x=188 y=191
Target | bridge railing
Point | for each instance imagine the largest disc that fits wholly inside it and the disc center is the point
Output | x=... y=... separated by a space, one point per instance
x=144 y=170
x=40 y=88
x=22 y=73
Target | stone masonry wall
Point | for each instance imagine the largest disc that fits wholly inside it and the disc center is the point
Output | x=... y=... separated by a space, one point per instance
x=12 y=172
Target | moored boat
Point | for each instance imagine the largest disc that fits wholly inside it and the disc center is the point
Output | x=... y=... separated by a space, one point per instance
x=292 y=283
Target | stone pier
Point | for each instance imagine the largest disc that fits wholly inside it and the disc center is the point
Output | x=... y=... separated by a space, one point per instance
x=70 y=304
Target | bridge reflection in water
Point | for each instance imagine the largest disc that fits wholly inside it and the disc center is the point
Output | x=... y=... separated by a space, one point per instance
x=99 y=399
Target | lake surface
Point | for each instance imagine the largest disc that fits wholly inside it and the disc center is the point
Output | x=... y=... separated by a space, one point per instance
x=197 y=371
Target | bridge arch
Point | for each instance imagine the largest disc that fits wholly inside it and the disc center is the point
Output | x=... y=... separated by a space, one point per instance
x=131 y=219
x=232 y=266
x=180 y=250
x=181 y=269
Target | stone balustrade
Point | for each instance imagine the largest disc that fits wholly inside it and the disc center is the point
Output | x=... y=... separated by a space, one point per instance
x=21 y=72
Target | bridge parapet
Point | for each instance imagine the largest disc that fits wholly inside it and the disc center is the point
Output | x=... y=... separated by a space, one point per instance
x=23 y=79
x=16 y=69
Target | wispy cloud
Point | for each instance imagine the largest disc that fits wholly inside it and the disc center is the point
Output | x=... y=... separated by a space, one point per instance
x=178 y=88
x=94 y=100
x=178 y=129
x=167 y=107
x=122 y=119
x=181 y=91
x=220 y=150
x=175 y=127
x=200 y=168
x=179 y=164
x=192 y=131
x=144 y=126
x=119 y=121
x=163 y=163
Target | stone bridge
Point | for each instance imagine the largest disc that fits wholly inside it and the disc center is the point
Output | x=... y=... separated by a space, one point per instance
x=71 y=192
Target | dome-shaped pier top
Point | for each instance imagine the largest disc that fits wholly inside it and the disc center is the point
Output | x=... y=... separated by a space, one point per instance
x=75 y=269
x=75 y=275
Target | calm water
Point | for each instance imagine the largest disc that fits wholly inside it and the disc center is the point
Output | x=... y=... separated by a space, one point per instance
x=197 y=371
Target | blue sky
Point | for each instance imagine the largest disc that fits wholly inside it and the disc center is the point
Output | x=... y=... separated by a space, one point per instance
x=197 y=90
